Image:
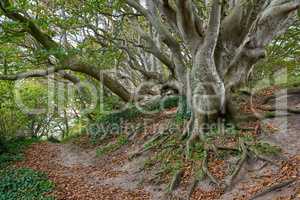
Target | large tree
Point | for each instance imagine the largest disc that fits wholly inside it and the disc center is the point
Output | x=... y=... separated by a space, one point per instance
x=224 y=39
x=208 y=47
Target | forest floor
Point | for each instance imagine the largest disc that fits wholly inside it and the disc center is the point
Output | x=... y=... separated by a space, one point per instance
x=79 y=174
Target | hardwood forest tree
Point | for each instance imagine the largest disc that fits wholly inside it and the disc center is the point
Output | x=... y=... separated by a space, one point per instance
x=206 y=48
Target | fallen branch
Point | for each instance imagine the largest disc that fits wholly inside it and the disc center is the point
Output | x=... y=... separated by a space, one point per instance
x=274 y=187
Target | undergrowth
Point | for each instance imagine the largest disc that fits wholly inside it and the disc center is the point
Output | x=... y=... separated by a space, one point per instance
x=111 y=147
x=105 y=123
x=13 y=150
x=168 y=152
x=24 y=184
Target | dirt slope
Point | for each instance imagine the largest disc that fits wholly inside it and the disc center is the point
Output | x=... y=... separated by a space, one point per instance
x=79 y=174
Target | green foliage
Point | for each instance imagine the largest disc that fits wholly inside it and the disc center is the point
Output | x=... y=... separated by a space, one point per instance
x=283 y=53
x=13 y=150
x=11 y=119
x=24 y=184
x=129 y=114
x=263 y=148
x=111 y=147
x=197 y=152
x=168 y=155
x=34 y=94
x=14 y=115
x=116 y=117
x=184 y=112
x=132 y=112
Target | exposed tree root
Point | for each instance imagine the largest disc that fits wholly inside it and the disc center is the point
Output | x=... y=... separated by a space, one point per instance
x=261 y=116
x=273 y=109
x=238 y=168
x=288 y=92
x=147 y=146
x=268 y=160
x=192 y=187
x=176 y=180
x=104 y=136
x=245 y=150
x=274 y=187
x=188 y=128
x=189 y=144
x=133 y=133
x=207 y=172
x=227 y=148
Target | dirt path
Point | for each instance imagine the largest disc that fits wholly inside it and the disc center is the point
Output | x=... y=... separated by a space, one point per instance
x=77 y=174
x=80 y=175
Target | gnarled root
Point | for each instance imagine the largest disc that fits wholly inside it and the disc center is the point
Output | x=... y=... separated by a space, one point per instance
x=176 y=180
x=287 y=109
x=207 y=172
x=291 y=91
x=192 y=187
x=238 y=168
x=148 y=146
x=272 y=188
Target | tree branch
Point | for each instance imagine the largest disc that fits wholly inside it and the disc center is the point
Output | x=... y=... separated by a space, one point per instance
x=166 y=37
x=213 y=29
x=186 y=24
x=29 y=25
x=72 y=63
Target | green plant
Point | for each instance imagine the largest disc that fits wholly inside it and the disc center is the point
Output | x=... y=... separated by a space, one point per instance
x=129 y=114
x=13 y=150
x=24 y=184
x=111 y=147
x=264 y=148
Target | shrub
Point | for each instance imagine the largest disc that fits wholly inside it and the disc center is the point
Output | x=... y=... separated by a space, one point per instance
x=24 y=184
x=13 y=150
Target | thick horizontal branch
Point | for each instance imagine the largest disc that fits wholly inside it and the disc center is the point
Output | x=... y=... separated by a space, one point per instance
x=30 y=74
x=72 y=63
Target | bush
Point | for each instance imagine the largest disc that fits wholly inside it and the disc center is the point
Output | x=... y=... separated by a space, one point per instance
x=13 y=150
x=3 y=147
x=131 y=113
x=24 y=184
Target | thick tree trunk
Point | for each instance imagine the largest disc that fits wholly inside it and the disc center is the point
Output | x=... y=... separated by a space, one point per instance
x=207 y=89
